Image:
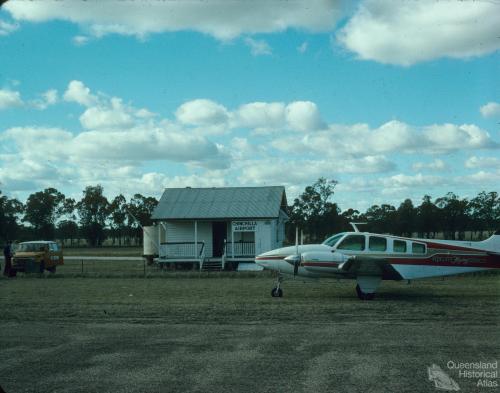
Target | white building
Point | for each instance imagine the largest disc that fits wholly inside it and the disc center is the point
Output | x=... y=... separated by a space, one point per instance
x=219 y=227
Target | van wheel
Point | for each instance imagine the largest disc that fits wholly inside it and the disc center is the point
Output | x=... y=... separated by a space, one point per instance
x=42 y=266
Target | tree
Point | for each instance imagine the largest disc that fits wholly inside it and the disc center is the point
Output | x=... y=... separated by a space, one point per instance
x=118 y=216
x=42 y=211
x=313 y=211
x=140 y=211
x=67 y=229
x=406 y=218
x=427 y=220
x=10 y=210
x=485 y=212
x=93 y=211
x=381 y=219
x=454 y=215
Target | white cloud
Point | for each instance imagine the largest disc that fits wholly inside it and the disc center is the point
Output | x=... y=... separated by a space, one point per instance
x=7 y=28
x=436 y=165
x=80 y=40
x=408 y=32
x=50 y=97
x=392 y=185
x=144 y=113
x=482 y=162
x=140 y=144
x=301 y=171
x=241 y=148
x=491 y=109
x=224 y=20
x=258 y=47
x=483 y=179
x=302 y=48
x=79 y=93
x=391 y=137
x=202 y=112
x=303 y=116
x=261 y=116
x=451 y=137
x=107 y=118
x=10 y=99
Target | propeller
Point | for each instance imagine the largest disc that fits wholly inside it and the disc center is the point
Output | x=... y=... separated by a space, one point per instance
x=295 y=259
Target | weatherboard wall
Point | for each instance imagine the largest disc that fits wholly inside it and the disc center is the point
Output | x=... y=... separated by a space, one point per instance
x=183 y=231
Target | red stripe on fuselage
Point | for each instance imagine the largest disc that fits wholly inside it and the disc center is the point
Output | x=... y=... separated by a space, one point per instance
x=452 y=247
x=484 y=261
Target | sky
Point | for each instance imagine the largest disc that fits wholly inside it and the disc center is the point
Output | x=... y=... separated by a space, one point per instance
x=392 y=99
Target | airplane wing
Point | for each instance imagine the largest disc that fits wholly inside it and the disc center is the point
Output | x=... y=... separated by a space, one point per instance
x=360 y=265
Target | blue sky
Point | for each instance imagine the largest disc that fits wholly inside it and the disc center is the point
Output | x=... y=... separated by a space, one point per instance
x=393 y=101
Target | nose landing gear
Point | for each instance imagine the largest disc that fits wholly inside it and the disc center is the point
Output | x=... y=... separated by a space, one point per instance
x=277 y=291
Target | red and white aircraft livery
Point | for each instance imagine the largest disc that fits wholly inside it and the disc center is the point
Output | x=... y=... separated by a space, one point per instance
x=370 y=258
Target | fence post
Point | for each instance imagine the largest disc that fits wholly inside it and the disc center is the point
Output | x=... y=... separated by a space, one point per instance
x=144 y=263
x=82 y=266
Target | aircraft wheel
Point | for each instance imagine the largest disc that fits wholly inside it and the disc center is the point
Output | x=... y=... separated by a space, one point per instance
x=359 y=293
x=277 y=292
x=364 y=296
x=369 y=296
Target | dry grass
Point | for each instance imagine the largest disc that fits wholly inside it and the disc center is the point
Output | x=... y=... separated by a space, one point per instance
x=164 y=334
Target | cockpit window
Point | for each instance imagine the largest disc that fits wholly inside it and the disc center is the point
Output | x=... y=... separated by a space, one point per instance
x=353 y=242
x=331 y=241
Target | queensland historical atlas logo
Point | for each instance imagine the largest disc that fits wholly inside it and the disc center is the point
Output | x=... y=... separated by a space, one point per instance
x=441 y=379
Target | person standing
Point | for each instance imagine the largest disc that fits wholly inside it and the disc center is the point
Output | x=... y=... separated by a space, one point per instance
x=7 y=253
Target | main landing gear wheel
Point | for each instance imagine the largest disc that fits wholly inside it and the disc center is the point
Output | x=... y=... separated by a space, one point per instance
x=277 y=292
x=363 y=295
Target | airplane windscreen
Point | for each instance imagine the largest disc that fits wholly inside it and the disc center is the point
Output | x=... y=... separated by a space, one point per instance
x=331 y=241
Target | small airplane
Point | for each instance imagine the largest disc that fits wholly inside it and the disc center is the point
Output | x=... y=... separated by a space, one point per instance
x=370 y=258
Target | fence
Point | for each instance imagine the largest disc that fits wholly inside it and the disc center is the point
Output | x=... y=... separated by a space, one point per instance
x=241 y=249
x=177 y=250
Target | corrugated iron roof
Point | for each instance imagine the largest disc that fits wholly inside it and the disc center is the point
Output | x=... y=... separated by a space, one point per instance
x=220 y=203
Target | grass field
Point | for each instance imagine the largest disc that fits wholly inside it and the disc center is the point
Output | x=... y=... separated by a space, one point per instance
x=217 y=333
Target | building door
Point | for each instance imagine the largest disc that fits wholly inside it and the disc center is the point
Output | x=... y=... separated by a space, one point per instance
x=219 y=234
x=263 y=237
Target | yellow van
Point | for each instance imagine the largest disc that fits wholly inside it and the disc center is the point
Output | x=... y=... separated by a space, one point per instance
x=37 y=256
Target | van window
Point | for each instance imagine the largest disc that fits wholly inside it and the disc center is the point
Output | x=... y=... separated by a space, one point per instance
x=377 y=243
x=399 y=246
x=418 y=248
x=352 y=242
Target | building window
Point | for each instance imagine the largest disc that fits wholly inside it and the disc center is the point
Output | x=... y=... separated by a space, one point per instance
x=376 y=243
x=418 y=248
x=399 y=246
x=353 y=242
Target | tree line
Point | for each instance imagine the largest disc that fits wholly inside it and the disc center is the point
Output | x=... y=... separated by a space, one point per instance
x=49 y=215
x=448 y=216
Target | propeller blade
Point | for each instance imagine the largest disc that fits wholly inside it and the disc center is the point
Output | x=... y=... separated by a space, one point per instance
x=294 y=260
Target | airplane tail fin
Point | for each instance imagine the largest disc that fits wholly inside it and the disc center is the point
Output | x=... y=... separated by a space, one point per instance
x=493 y=242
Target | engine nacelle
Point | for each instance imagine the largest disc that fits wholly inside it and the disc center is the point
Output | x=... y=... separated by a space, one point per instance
x=322 y=261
